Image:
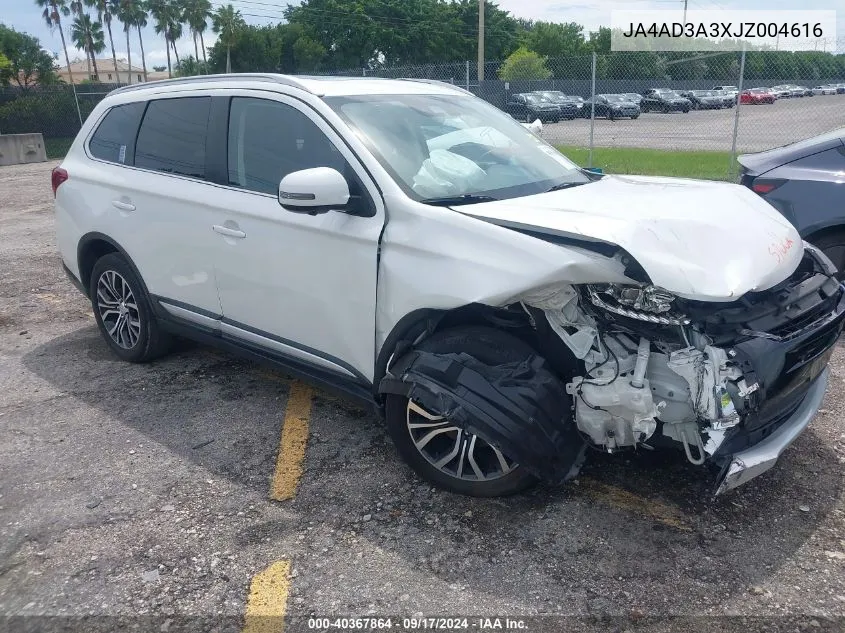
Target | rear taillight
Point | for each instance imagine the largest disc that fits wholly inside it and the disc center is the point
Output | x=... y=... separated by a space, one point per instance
x=764 y=186
x=57 y=177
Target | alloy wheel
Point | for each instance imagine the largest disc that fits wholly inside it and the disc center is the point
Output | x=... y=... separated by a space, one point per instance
x=452 y=450
x=118 y=309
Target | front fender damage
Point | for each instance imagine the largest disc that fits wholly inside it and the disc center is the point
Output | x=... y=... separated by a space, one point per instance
x=521 y=408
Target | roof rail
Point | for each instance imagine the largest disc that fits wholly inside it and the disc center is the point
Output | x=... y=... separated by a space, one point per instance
x=268 y=77
x=436 y=82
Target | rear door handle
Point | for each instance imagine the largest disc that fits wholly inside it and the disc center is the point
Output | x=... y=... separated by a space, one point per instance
x=225 y=230
x=123 y=206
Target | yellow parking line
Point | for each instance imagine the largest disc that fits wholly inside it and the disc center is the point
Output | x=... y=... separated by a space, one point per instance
x=291 y=456
x=268 y=599
x=667 y=514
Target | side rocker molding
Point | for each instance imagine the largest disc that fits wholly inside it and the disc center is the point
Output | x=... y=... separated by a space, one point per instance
x=521 y=408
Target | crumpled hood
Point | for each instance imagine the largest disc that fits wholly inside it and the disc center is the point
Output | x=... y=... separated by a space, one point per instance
x=699 y=239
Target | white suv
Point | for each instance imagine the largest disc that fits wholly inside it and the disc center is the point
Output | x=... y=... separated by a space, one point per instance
x=414 y=246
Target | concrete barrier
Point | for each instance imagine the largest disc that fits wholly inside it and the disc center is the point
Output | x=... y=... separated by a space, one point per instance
x=22 y=148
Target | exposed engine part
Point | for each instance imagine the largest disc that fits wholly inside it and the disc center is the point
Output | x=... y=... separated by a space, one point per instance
x=646 y=303
x=560 y=305
x=643 y=352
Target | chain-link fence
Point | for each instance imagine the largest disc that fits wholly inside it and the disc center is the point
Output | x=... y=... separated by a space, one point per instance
x=653 y=103
x=57 y=112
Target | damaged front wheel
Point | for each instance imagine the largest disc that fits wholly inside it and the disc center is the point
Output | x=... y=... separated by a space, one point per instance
x=440 y=451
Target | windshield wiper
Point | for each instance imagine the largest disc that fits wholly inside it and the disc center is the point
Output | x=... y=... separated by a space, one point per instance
x=565 y=185
x=449 y=201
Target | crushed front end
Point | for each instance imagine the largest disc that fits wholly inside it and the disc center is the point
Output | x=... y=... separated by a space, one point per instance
x=731 y=383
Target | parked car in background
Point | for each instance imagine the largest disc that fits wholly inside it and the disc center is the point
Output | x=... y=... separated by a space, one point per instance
x=410 y=245
x=612 y=107
x=824 y=89
x=796 y=91
x=569 y=107
x=732 y=91
x=664 y=100
x=704 y=99
x=728 y=99
x=633 y=97
x=804 y=181
x=528 y=107
x=781 y=91
x=840 y=89
x=756 y=96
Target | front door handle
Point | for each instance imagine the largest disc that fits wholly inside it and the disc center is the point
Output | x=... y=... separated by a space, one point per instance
x=122 y=205
x=225 y=230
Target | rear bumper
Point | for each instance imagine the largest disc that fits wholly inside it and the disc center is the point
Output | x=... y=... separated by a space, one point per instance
x=747 y=464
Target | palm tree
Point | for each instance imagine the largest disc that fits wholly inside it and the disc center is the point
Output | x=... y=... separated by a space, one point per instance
x=87 y=35
x=196 y=13
x=52 y=14
x=104 y=17
x=167 y=16
x=139 y=19
x=227 y=22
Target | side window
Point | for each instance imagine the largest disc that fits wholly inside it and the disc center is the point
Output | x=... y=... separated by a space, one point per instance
x=172 y=136
x=114 y=139
x=268 y=140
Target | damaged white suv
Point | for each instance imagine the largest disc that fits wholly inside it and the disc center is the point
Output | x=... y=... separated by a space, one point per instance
x=414 y=246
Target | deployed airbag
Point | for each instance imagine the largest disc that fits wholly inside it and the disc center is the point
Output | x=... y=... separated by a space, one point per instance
x=521 y=408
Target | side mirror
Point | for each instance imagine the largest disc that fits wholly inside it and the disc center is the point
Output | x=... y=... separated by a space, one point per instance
x=313 y=191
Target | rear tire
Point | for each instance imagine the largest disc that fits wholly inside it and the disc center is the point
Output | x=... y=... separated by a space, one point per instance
x=123 y=311
x=490 y=346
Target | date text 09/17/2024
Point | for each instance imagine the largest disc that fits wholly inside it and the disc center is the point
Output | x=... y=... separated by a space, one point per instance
x=418 y=624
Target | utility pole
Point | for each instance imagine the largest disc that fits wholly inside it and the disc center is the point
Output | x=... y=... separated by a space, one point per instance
x=480 y=41
x=685 y=11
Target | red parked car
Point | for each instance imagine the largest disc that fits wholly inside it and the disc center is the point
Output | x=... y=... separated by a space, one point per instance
x=756 y=96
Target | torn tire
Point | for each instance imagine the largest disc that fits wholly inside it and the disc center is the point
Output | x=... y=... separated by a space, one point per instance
x=492 y=385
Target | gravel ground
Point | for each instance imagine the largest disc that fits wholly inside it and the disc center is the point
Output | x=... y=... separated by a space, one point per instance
x=141 y=490
x=760 y=127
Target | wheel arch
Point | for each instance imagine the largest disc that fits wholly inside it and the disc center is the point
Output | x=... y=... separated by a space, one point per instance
x=818 y=232
x=94 y=245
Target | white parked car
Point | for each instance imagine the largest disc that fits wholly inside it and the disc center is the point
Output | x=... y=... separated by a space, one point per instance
x=824 y=90
x=414 y=246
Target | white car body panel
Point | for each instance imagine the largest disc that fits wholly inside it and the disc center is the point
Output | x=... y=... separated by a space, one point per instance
x=701 y=240
x=429 y=258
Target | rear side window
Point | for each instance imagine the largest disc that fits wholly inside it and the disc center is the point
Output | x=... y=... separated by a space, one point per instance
x=268 y=140
x=114 y=139
x=172 y=136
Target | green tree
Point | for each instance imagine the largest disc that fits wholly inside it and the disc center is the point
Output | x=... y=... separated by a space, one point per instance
x=28 y=63
x=52 y=14
x=195 y=14
x=227 y=22
x=104 y=16
x=168 y=23
x=87 y=35
x=524 y=64
x=5 y=70
x=189 y=66
x=555 y=40
x=133 y=13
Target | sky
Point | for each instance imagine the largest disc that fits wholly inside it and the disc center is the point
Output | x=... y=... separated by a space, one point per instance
x=24 y=15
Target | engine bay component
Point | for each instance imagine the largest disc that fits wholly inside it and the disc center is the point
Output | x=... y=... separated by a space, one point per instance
x=521 y=408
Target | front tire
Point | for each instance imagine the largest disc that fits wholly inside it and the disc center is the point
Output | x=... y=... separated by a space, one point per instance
x=123 y=312
x=485 y=472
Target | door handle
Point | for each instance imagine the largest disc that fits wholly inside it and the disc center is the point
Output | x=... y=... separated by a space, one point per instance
x=123 y=206
x=225 y=230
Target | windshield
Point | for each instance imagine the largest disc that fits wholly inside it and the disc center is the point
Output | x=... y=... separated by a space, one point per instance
x=438 y=146
x=533 y=98
x=667 y=93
